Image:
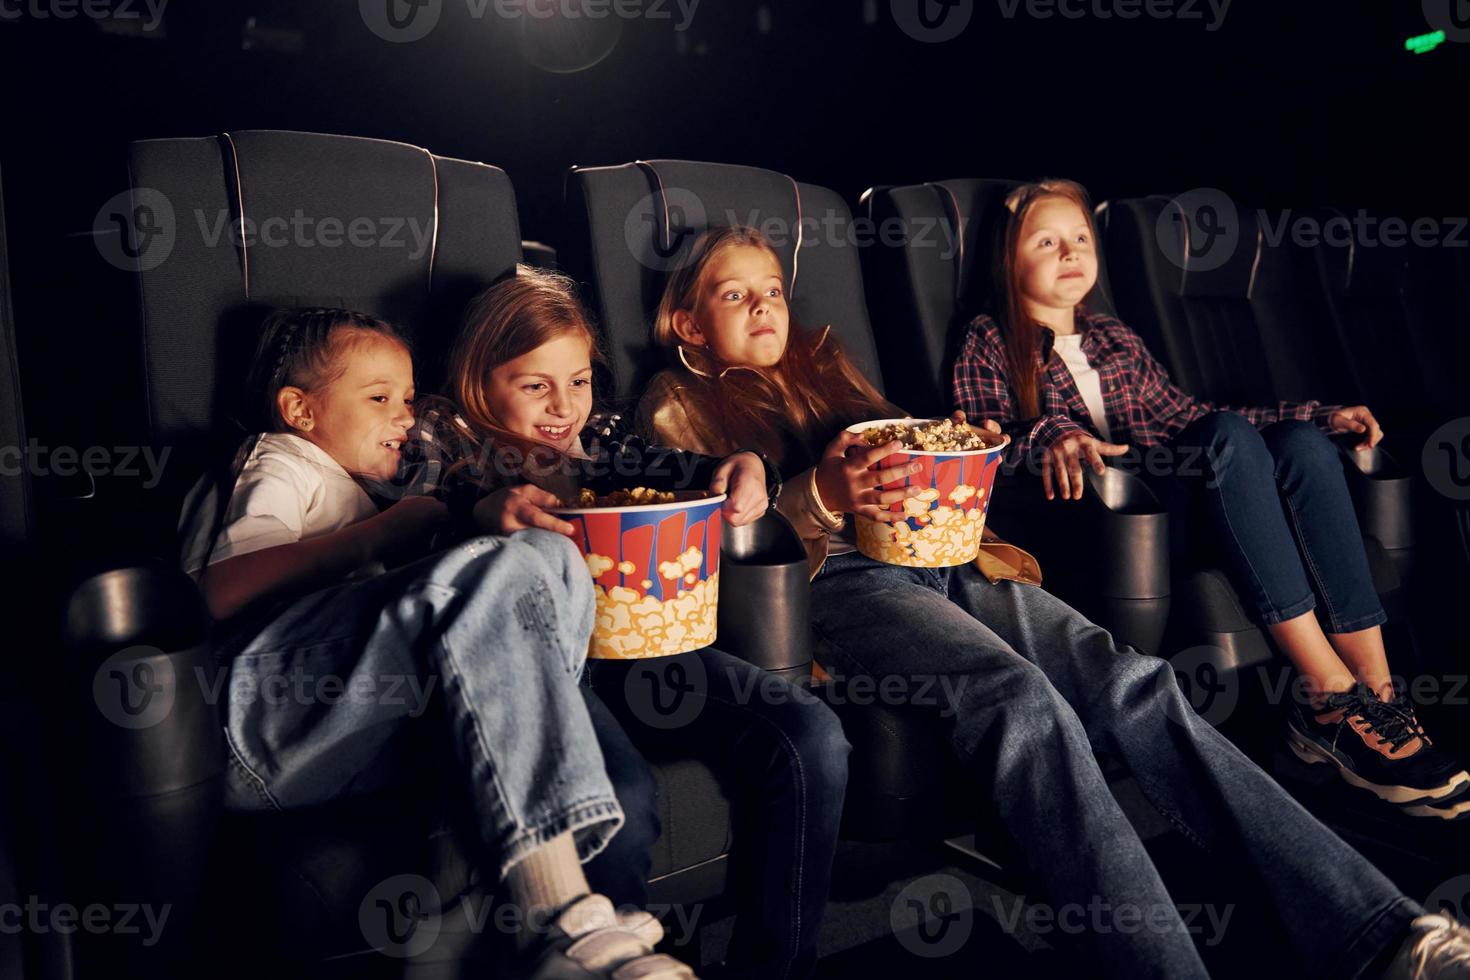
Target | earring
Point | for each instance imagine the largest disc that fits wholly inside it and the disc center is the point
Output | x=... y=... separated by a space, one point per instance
x=684 y=359
x=305 y=423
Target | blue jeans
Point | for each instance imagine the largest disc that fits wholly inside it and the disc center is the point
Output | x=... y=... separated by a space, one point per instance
x=783 y=755
x=620 y=871
x=1032 y=688
x=1275 y=506
x=323 y=689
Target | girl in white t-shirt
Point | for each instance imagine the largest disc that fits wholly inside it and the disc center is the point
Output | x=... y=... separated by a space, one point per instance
x=330 y=656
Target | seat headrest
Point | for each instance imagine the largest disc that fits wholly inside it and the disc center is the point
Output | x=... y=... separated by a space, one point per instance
x=1215 y=244
x=264 y=218
x=629 y=226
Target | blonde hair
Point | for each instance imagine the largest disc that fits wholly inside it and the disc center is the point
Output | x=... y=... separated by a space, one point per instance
x=792 y=407
x=1022 y=335
x=511 y=318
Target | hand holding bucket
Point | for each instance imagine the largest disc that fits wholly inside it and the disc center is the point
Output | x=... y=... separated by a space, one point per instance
x=945 y=520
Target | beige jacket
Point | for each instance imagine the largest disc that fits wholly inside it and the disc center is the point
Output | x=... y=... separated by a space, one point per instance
x=667 y=417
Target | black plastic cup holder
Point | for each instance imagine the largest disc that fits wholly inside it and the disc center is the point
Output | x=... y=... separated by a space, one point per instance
x=1134 y=559
x=149 y=754
x=765 y=596
x=138 y=638
x=1382 y=491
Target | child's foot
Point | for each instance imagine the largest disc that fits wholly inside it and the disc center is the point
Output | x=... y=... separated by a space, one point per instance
x=590 y=940
x=1376 y=746
x=1436 y=947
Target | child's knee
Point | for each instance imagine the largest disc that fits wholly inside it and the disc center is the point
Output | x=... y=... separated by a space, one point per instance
x=557 y=550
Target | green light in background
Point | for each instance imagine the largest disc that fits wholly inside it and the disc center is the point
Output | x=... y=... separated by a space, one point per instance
x=1424 y=42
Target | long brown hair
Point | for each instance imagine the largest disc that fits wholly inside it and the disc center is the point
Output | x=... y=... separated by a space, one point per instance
x=1022 y=334
x=793 y=407
x=511 y=318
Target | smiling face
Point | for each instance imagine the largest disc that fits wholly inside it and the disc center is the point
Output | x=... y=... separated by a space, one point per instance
x=361 y=415
x=739 y=310
x=545 y=394
x=1056 y=261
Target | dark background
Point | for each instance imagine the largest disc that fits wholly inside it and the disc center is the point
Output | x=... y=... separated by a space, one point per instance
x=1293 y=103
x=1286 y=104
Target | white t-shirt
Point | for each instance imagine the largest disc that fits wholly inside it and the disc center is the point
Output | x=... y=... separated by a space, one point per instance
x=288 y=490
x=1089 y=385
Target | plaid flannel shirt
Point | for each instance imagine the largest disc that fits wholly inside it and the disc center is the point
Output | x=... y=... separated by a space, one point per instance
x=1144 y=408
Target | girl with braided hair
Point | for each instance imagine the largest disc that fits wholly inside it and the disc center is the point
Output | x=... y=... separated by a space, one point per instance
x=331 y=655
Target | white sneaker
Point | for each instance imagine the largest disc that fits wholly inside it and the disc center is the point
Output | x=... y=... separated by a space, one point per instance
x=1437 y=948
x=589 y=939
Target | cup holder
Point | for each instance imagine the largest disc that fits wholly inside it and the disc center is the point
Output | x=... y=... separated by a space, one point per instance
x=156 y=605
x=1122 y=492
x=1375 y=463
x=765 y=595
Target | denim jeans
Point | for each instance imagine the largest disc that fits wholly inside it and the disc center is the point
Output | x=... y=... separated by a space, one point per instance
x=1033 y=688
x=1274 y=505
x=323 y=689
x=620 y=871
x=783 y=755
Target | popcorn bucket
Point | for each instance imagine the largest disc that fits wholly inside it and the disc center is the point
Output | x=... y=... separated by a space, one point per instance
x=656 y=573
x=945 y=520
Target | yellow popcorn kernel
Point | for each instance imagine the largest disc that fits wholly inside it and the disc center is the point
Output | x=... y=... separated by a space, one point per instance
x=598 y=565
x=630 y=625
x=961 y=493
x=627 y=567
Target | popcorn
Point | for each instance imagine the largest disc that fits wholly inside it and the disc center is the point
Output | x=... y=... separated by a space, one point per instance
x=624 y=498
x=948 y=537
x=630 y=625
x=937 y=436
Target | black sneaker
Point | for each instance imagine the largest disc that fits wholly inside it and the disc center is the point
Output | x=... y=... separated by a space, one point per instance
x=1450 y=809
x=1375 y=746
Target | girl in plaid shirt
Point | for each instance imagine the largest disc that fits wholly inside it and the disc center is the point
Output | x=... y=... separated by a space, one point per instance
x=1026 y=686
x=1080 y=386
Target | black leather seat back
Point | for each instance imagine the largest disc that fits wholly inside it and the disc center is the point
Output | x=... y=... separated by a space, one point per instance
x=1369 y=297
x=625 y=227
x=263 y=219
x=17 y=514
x=1240 y=321
x=929 y=272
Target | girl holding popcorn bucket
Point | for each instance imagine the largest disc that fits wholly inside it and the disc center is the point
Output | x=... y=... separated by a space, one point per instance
x=519 y=446
x=1030 y=688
